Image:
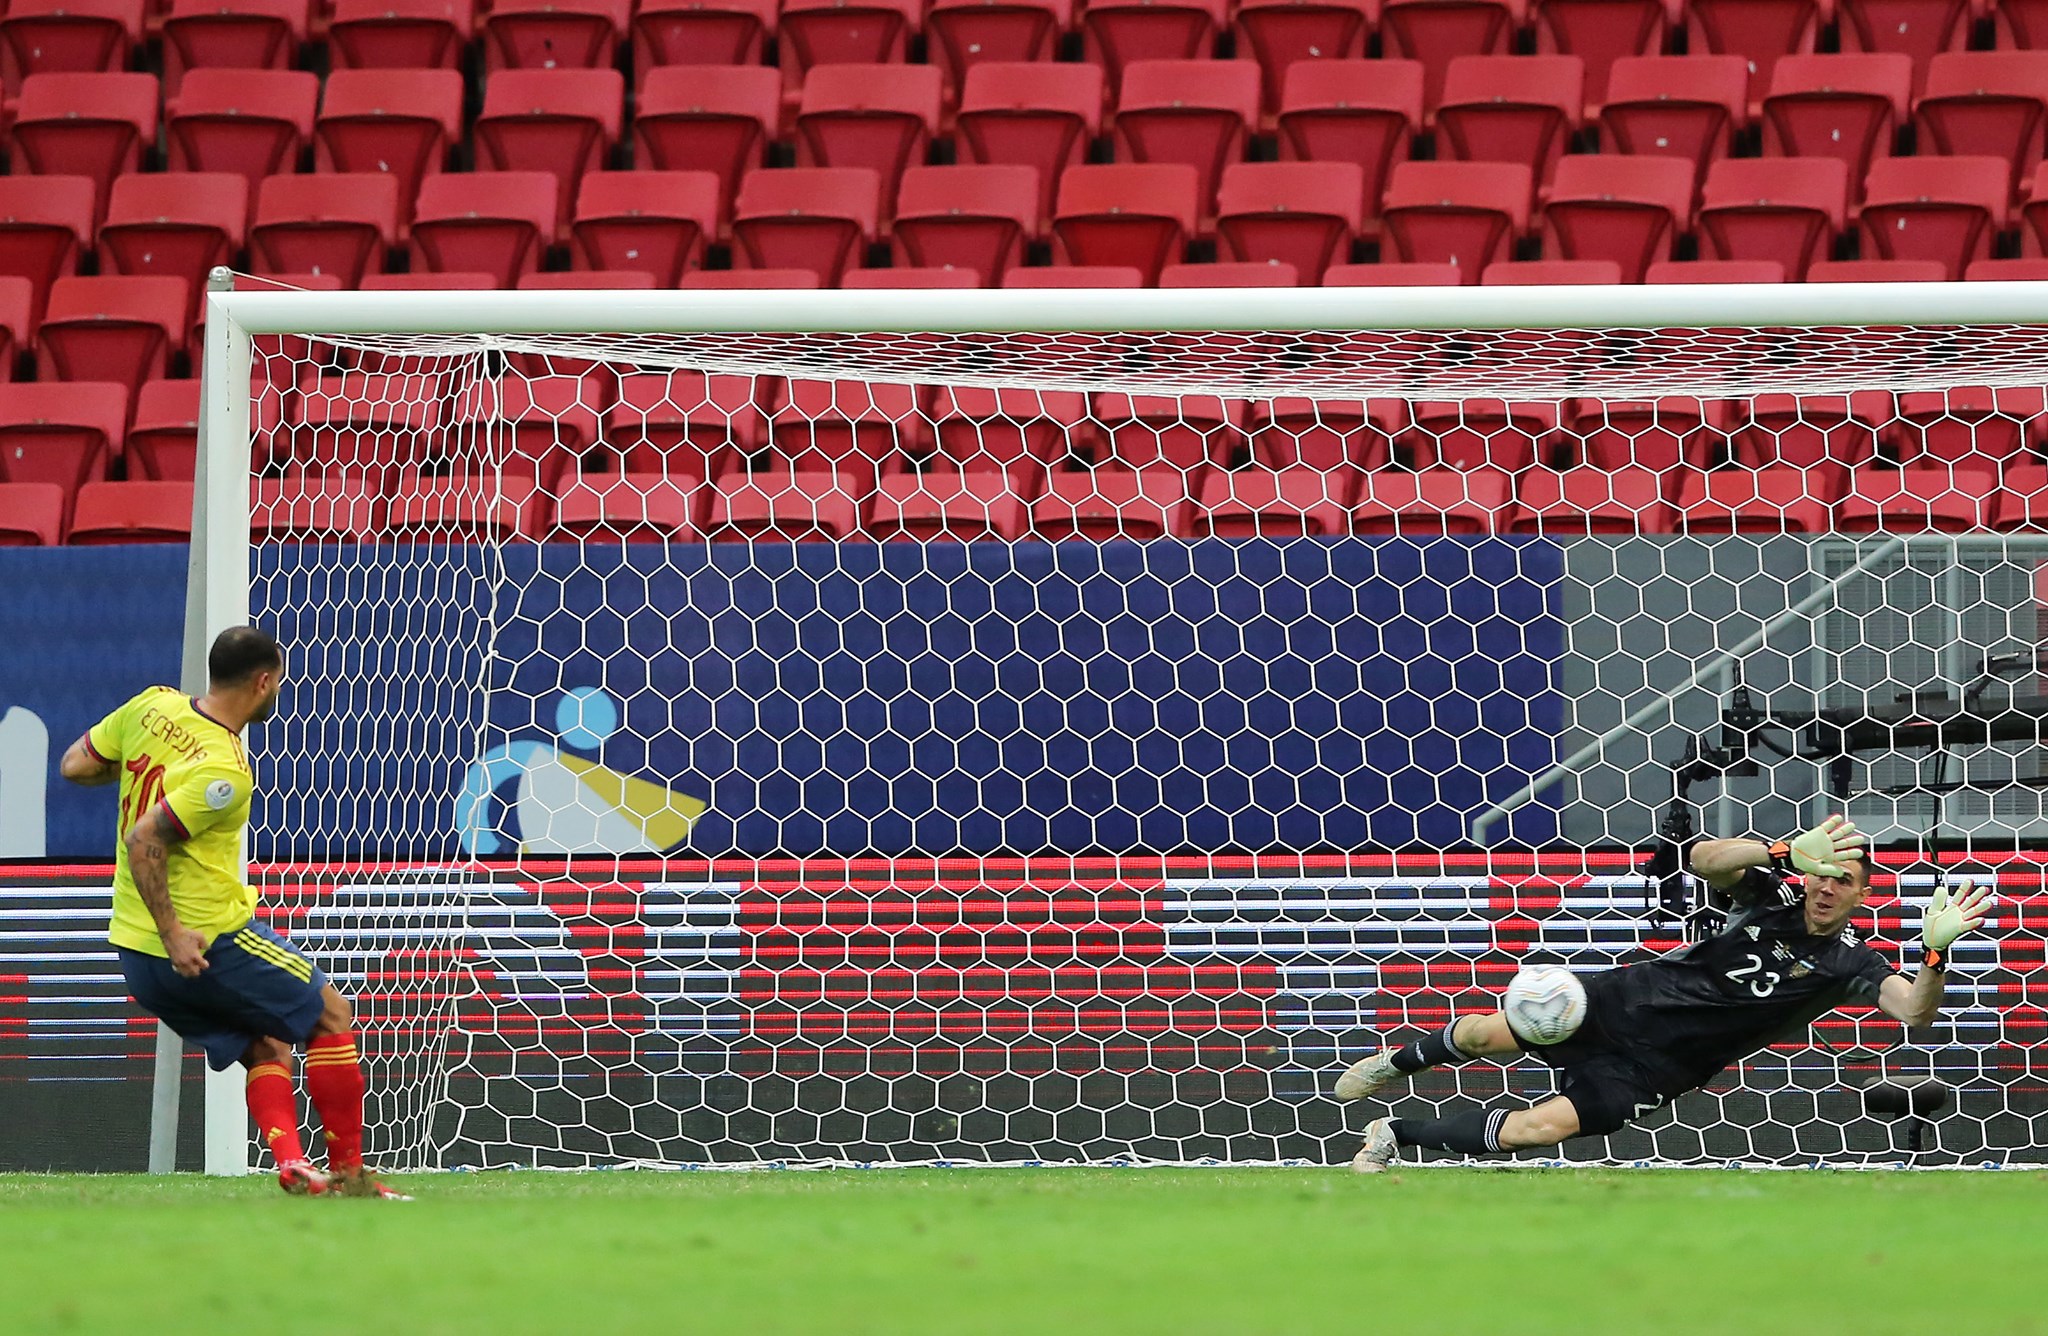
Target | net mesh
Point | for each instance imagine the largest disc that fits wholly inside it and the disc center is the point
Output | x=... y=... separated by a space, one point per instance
x=1056 y=631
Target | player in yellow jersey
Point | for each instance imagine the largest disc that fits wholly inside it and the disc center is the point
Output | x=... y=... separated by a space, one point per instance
x=184 y=922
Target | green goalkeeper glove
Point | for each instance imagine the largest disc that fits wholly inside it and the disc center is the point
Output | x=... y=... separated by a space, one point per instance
x=1827 y=847
x=1949 y=917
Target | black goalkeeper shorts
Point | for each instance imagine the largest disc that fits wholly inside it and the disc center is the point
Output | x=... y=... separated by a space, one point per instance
x=1608 y=1083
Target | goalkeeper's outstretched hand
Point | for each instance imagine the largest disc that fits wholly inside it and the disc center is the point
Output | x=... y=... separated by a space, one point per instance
x=1950 y=915
x=1826 y=848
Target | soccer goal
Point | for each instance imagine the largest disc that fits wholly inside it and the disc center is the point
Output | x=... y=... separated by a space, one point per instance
x=1066 y=725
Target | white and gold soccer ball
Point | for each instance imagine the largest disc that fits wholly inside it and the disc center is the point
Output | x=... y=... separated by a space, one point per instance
x=1545 y=1004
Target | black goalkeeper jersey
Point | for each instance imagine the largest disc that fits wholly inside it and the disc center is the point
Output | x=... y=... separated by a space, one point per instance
x=1695 y=1010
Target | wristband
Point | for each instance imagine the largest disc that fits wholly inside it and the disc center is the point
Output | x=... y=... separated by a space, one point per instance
x=1931 y=959
x=1781 y=856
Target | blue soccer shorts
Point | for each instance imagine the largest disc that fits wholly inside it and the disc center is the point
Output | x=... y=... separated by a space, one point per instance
x=255 y=985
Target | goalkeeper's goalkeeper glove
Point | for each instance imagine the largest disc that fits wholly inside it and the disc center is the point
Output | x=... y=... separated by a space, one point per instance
x=1826 y=848
x=1949 y=917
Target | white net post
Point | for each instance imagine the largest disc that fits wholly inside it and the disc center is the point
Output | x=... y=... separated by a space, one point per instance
x=711 y=851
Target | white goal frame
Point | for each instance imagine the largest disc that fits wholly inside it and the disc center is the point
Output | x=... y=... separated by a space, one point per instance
x=219 y=592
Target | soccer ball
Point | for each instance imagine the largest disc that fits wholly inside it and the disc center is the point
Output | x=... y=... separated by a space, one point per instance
x=1545 y=1004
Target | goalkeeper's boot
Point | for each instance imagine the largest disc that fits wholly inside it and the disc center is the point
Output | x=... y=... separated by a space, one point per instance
x=1367 y=1075
x=301 y=1179
x=1379 y=1148
x=358 y=1182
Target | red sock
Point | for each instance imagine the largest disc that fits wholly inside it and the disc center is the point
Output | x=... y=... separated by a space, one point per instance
x=334 y=1081
x=276 y=1115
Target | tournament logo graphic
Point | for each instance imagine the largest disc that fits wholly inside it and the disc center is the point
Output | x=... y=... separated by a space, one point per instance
x=543 y=798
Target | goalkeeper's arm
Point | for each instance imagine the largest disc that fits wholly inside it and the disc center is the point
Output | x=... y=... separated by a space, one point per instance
x=1949 y=916
x=1825 y=849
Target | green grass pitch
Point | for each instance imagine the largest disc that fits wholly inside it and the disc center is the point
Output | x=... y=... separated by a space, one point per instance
x=1049 y=1252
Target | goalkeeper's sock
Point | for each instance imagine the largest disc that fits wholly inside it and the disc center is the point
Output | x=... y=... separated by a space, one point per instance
x=1434 y=1051
x=334 y=1081
x=275 y=1112
x=1474 y=1133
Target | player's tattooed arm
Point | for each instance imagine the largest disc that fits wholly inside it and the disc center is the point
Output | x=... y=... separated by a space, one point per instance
x=149 y=853
x=82 y=765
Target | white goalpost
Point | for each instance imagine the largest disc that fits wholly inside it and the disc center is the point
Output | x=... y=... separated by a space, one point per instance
x=730 y=727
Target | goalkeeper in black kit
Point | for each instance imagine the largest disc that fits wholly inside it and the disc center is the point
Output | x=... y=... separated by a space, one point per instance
x=1658 y=1029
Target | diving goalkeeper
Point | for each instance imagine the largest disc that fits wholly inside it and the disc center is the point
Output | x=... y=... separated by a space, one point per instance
x=1660 y=1028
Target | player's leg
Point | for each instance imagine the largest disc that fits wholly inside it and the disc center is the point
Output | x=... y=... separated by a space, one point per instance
x=1464 y=1039
x=1472 y=1132
x=271 y=1104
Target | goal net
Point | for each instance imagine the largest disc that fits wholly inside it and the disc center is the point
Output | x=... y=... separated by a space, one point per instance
x=1043 y=726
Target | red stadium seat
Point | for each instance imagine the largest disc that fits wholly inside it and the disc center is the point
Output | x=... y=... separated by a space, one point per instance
x=1436 y=32
x=400 y=34
x=368 y=423
x=232 y=34
x=339 y=223
x=962 y=34
x=2034 y=214
x=553 y=34
x=300 y=509
x=845 y=32
x=1137 y=214
x=461 y=508
x=881 y=117
x=1184 y=432
x=694 y=32
x=63 y=435
x=174 y=224
x=17 y=324
x=1877 y=271
x=31 y=514
x=1356 y=111
x=1937 y=498
x=67 y=37
x=249 y=121
x=1760 y=31
x=1949 y=210
x=397 y=121
x=848 y=427
x=1263 y=503
x=1480 y=433
x=686 y=423
x=498 y=223
x=1432 y=500
x=454 y=281
x=654 y=222
x=1118 y=33
x=629 y=508
x=1715 y=271
x=1918 y=29
x=163 y=440
x=1840 y=106
x=974 y=218
x=1039 y=116
x=1280 y=34
x=1006 y=431
x=1549 y=273
x=1986 y=103
x=750 y=279
x=1601 y=33
x=1511 y=109
x=131 y=512
x=1196 y=112
x=1231 y=274
x=897 y=278
x=1393 y=275
x=1631 y=210
x=589 y=280
x=782 y=508
x=2022 y=500
x=715 y=118
x=1678 y=106
x=2007 y=271
x=90 y=125
x=1076 y=276
x=1303 y=214
x=1109 y=503
x=563 y=122
x=46 y=222
x=1662 y=435
x=1756 y=500
x=1824 y=434
x=947 y=507
x=1968 y=424
x=119 y=329
x=1332 y=435
x=2021 y=24
x=1783 y=209
x=1464 y=213
x=815 y=218
x=536 y=427
x=1590 y=501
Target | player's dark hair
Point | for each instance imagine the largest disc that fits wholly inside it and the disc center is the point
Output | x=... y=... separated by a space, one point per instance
x=241 y=652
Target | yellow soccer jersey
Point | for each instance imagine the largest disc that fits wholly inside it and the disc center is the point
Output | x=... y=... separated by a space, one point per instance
x=173 y=755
